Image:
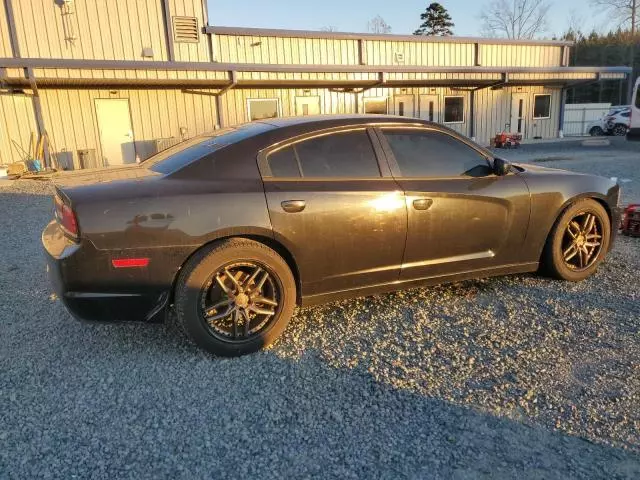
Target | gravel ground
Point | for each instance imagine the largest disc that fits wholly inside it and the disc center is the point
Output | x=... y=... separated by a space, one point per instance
x=498 y=378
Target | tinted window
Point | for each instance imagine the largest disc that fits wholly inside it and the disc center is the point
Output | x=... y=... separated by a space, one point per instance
x=638 y=96
x=283 y=163
x=348 y=154
x=453 y=109
x=432 y=154
x=542 y=106
x=182 y=154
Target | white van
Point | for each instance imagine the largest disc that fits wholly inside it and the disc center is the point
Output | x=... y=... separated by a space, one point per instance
x=634 y=127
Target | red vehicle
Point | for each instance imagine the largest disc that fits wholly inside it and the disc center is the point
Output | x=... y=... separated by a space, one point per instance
x=507 y=140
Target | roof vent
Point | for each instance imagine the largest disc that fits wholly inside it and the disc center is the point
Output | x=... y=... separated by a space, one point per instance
x=185 y=29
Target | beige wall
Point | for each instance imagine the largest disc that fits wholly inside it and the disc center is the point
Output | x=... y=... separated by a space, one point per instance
x=326 y=51
x=17 y=123
x=70 y=116
x=103 y=29
x=5 y=44
x=190 y=52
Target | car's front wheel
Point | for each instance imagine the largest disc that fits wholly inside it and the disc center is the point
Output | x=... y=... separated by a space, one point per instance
x=235 y=297
x=578 y=241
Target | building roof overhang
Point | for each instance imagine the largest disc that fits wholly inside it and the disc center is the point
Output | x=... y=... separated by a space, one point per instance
x=59 y=73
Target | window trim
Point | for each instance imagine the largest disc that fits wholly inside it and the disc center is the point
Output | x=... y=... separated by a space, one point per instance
x=265 y=168
x=366 y=99
x=444 y=110
x=250 y=100
x=533 y=110
x=393 y=163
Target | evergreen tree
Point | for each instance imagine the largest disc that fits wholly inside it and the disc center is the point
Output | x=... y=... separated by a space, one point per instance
x=435 y=21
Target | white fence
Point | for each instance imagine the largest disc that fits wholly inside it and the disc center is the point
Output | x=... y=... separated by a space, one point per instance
x=578 y=116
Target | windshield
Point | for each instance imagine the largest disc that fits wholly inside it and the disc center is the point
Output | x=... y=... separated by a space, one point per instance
x=184 y=153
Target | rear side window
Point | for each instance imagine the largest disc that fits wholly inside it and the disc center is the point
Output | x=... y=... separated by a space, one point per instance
x=344 y=154
x=421 y=153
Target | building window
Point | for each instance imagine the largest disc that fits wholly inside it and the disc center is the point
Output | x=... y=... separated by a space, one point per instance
x=453 y=109
x=541 y=106
x=375 y=105
x=261 y=108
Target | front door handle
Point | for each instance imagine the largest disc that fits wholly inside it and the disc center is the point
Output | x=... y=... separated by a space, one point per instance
x=293 y=206
x=422 y=203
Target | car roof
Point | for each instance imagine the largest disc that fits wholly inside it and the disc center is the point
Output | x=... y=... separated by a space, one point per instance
x=314 y=122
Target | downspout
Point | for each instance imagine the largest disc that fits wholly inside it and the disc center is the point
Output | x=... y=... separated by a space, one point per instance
x=233 y=81
x=166 y=11
x=37 y=109
x=563 y=101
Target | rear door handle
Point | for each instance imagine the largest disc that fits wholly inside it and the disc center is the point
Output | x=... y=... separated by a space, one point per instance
x=422 y=203
x=293 y=206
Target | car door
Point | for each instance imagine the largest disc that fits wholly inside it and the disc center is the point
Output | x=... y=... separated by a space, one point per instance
x=334 y=204
x=461 y=216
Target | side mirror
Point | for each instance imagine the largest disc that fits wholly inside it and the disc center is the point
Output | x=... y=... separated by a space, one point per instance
x=501 y=167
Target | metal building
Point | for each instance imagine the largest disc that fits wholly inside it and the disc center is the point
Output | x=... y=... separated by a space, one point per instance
x=109 y=82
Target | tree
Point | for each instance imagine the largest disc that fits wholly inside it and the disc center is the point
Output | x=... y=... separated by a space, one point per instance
x=435 y=21
x=515 y=19
x=329 y=28
x=378 y=25
x=623 y=12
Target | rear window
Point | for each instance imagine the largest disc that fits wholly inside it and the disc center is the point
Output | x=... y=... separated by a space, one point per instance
x=182 y=154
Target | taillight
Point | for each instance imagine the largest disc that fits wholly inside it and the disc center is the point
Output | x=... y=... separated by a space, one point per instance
x=66 y=218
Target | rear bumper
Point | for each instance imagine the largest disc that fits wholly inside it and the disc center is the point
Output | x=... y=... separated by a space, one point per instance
x=77 y=278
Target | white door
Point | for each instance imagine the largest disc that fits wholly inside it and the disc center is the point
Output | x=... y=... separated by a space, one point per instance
x=403 y=105
x=308 y=105
x=430 y=107
x=116 y=134
x=519 y=113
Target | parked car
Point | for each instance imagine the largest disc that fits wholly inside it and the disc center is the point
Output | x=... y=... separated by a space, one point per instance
x=232 y=230
x=616 y=122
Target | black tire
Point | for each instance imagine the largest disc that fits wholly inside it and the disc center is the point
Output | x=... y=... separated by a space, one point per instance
x=553 y=258
x=619 y=130
x=596 y=132
x=196 y=277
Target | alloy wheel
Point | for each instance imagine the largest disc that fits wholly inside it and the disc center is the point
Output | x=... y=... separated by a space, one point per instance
x=582 y=241
x=240 y=300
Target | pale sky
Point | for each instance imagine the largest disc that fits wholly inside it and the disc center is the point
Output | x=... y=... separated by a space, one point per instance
x=352 y=15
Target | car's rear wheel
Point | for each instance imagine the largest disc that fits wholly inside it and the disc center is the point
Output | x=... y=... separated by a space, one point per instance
x=619 y=130
x=235 y=297
x=578 y=241
x=596 y=131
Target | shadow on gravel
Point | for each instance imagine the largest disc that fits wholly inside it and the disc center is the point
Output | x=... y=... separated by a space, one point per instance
x=132 y=400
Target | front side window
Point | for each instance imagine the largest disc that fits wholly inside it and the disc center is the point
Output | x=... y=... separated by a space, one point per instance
x=261 y=108
x=344 y=154
x=429 y=153
x=542 y=106
x=638 y=96
x=453 y=109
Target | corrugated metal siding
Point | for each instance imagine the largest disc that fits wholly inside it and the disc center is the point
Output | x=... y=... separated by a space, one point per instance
x=113 y=30
x=17 y=122
x=285 y=51
x=190 y=52
x=520 y=55
x=70 y=116
x=419 y=53
x=493 y=111
x=5 y=42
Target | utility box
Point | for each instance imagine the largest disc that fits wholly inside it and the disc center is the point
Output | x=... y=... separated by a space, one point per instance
x=87 y=158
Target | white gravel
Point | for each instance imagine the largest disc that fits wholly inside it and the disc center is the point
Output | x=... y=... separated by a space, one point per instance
x=501 y=378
